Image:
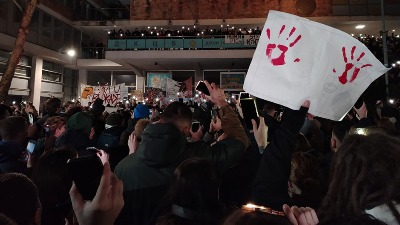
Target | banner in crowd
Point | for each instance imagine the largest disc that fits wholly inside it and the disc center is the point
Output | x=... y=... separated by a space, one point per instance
x=185 y=88
x=137 y=95
x=297 y=59
x=250 y=40
x=158 y=80
x=232 y=81
x=173 y=88
x=233 y=39
x=111 y=95
x=154 y=94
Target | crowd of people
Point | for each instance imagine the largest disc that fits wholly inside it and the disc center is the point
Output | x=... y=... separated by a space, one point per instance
x=289 y=167
x=185 y=31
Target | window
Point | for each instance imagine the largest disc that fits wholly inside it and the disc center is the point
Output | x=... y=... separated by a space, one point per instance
x=50 y=76
x=129 y=80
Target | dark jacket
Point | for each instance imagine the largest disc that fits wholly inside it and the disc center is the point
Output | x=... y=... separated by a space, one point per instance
x=270 y=187
x=10 y=157
x=148 y=173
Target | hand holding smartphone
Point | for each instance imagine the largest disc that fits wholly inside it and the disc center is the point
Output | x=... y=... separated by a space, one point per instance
x=195 y=126
x=30 y=115
x=86 y=173
x=249 y=110
x=31 y=146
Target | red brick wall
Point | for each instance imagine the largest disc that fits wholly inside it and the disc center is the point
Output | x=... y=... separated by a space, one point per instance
x=208 y=9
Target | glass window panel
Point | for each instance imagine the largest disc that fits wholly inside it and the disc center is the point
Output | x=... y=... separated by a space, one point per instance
x=129 y=80
x=49 y=76
x=96 y=77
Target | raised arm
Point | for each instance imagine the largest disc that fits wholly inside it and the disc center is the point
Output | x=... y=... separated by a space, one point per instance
x=270 y=185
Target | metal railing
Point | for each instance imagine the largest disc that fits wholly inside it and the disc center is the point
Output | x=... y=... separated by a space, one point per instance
x=184 y=42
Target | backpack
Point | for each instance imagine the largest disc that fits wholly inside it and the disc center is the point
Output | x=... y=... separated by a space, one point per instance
x=107 y=140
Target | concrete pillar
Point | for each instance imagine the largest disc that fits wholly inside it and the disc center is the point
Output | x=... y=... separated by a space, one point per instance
x=36 y=81
x=198 y=73
x=82 y=79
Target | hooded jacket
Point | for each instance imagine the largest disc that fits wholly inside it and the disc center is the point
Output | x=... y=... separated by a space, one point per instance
x=148 y=173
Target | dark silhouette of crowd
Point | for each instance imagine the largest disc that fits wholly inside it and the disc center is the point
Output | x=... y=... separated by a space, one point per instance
x=289 y=167
x=185 y=31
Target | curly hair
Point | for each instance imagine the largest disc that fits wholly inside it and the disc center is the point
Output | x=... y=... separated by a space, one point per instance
x=306 y=175
x=365 y=174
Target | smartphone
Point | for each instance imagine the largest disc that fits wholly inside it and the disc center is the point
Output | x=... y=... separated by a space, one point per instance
x=195 y=126
x=31 y=146
x=201 y=86
x=86 y=173
x=249 y=109
x=30 y=115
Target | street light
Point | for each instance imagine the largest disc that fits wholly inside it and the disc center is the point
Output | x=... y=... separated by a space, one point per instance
x=71 y=52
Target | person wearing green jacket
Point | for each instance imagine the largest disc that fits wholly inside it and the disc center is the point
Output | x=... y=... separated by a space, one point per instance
x=148 y=173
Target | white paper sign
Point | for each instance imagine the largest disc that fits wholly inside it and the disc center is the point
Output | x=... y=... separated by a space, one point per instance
x=297 y=59
x=172 y=88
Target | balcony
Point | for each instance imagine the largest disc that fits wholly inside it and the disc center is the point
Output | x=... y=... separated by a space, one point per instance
x=225 y=42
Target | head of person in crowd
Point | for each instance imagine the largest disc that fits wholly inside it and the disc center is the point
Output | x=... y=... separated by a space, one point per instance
x=247 y=217
x=77 y=134
x=305 y=184
x=72 y=111
x=97 y=108
x=365 y=177
x=30 y=108
x=302 y=144
x=194 y=194
x=141 y=112
x=55 y=125
x=139 y=128
x=53 y=182
x=19 y=199
x=180 y=115
x=386 y=124
x=338 y=133
x=5 y=111
x=269 y=109
x=80 y=122
x=68 y=106
x=113 y=120
x=14 y=129
x=53 y=106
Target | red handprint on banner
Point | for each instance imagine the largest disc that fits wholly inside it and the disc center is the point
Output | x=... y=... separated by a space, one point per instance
x=278 y=58
x=350 y=64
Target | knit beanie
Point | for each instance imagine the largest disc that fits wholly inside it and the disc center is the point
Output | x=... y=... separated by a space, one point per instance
x=114 y=119
x=141 y=111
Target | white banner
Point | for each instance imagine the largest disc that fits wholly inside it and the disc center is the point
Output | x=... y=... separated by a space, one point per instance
x=110 y=94
x=297 y=59
x=172 y=88
x=250 y=40
x=233 y=39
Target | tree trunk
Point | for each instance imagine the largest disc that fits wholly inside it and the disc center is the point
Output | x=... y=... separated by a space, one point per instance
x=18 y=48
